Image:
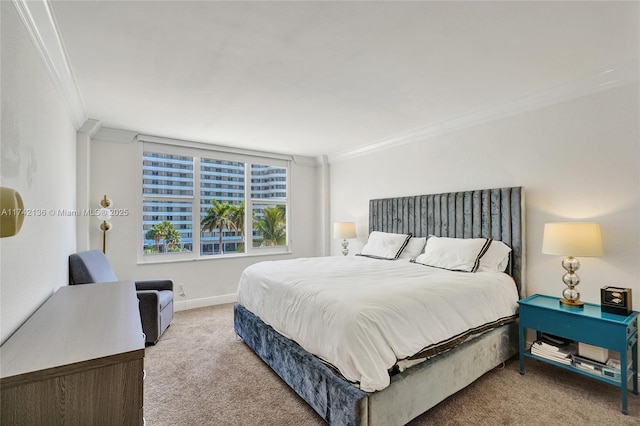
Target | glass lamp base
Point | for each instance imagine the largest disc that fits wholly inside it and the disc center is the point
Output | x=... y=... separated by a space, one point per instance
x=345 y=249
x=571 y=296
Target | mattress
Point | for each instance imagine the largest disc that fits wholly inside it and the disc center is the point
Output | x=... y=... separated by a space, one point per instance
x=363 y=315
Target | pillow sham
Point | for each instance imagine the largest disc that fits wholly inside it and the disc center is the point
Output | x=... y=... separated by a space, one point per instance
x=385 y=245
x=455 y=254
x=414 y=248
x=496 y=258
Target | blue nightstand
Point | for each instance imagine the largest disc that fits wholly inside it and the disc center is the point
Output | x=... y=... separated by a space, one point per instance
x=587 y=325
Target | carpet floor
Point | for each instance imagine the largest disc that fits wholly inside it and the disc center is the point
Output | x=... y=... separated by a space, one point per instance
x=200 y=373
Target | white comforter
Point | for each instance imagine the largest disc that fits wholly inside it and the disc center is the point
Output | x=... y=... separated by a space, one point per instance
x=362 y=315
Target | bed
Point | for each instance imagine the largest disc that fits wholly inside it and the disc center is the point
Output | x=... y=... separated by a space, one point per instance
x=338 y=396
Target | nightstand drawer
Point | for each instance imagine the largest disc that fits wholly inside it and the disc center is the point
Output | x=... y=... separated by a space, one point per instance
x=576 y=327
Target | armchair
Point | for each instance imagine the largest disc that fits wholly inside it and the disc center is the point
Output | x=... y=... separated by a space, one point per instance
x=155 y=296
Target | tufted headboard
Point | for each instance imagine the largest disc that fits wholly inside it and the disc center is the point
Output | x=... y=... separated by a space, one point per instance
x=486 y=213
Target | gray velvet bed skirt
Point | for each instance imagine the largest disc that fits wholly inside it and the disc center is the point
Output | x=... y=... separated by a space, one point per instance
x=411 y=393
x=333 y=398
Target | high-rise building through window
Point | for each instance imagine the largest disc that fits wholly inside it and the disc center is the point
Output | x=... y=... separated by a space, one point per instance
x=189 y=200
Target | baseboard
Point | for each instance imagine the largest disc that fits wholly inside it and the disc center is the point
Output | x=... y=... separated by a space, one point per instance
x=184 y=305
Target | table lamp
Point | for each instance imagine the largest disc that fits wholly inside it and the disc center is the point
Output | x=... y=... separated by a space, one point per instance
x=572 y=239
x=344 y=230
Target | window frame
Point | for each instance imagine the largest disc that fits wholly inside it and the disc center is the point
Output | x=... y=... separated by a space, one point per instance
x=213 y=152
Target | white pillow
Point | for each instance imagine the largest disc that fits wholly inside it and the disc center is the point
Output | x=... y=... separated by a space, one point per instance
x=414 y=248
x=385 y=245
x=456 y=254
x=496 y=258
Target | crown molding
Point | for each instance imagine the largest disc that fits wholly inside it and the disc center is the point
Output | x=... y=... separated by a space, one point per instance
x=107 y=134
x=593 y=83
x=40 y=23
x=303 y=160
x=91 y=127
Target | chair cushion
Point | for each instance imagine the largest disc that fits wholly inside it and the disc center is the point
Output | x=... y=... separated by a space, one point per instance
x=165 y=297
x=90 y=267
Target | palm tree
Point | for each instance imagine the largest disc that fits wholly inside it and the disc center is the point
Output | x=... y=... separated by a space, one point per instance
x=273 y=226
x=153 y=234
x=164 y=231
x=236 y=216
x=173 y=238
x=218 y=217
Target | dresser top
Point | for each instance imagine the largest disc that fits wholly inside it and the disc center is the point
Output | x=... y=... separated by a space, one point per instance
x=589 y=310
x=77 y=323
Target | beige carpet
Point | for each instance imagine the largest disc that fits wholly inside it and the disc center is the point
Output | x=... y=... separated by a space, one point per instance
x=199 y=373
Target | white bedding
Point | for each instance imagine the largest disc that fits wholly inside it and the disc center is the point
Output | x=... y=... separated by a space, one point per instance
x=362 y=314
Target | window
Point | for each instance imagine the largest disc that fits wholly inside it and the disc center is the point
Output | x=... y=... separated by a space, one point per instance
x=205 y=203
x=269 y=205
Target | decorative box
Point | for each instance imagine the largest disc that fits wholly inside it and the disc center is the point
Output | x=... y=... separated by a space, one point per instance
x=615 y=300
x=594 y=353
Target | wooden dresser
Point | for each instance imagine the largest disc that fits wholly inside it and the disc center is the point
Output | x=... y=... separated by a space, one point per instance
x=78 y=360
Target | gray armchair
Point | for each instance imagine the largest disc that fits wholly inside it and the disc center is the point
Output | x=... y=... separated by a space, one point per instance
x=155 y=296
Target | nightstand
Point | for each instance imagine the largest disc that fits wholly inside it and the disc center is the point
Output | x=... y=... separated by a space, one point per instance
x=587 y=325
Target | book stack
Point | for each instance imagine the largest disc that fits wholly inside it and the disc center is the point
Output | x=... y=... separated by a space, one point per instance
x=554 y=349
x=609 y=369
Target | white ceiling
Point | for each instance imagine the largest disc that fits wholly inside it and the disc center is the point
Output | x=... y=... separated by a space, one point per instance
x=314 y=78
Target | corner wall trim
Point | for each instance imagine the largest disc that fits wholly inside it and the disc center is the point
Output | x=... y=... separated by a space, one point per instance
x=40 y=23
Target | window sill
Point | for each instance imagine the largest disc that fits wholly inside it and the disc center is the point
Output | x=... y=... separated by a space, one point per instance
x=212 y=258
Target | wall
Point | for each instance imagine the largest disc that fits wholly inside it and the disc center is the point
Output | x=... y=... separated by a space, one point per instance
x=38 y=159
x=578 y=160
x=115 y=170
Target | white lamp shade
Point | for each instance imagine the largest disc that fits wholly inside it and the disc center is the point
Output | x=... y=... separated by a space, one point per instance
x=572 y=239
x=344 y=230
